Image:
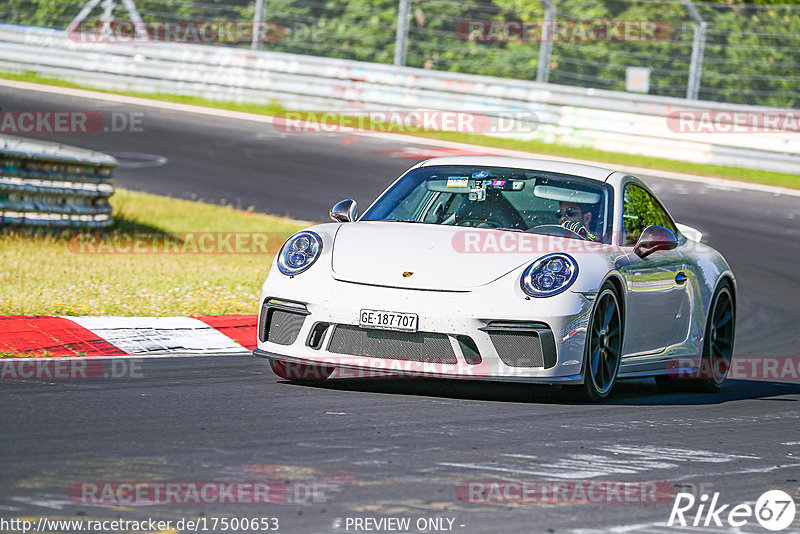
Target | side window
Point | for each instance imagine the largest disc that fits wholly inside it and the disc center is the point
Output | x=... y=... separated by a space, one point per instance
x=640 y=210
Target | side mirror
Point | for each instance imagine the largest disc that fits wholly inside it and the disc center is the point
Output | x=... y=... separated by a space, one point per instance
x=655 y=238
x=344 y=211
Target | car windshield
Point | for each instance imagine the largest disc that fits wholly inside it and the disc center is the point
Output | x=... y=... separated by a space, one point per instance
x=503 y=198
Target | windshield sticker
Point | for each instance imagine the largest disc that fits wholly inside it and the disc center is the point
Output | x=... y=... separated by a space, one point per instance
x=457 y=182
x=480 y=175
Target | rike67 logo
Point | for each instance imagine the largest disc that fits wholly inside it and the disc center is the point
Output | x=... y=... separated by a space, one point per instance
x=774 y=510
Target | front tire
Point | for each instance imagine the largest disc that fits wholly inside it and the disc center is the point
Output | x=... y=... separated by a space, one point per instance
x=603 y=351
x=300 y=371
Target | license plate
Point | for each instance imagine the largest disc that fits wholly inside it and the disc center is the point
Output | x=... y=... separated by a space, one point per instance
x=386 y=320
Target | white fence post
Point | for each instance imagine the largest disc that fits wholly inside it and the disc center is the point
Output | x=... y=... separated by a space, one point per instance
x=546 y=45
x=258 y=24
x=401 y=40
x=698 y=49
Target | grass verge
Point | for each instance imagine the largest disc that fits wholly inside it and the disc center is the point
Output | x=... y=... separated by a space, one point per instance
x=163 y=257
x=534 y=147
x=12 y=354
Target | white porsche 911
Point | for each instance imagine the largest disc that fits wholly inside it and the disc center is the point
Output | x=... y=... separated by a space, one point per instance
x=491 y=268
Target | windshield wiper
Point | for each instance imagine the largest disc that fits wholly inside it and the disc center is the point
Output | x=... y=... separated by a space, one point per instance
x=416 y=221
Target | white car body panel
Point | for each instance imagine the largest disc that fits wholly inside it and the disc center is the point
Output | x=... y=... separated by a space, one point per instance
x=361 y=266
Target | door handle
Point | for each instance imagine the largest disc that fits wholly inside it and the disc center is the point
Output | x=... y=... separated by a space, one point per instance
x=681 y=278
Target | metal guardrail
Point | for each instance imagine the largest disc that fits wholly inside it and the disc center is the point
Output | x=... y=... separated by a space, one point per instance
x=49 y=184
x=605 y=120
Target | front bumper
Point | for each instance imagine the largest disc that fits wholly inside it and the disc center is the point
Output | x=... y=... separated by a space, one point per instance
x=312 y=308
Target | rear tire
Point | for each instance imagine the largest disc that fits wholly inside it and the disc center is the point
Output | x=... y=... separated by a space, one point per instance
x=603 y=351
x=300 y=371
x=718 y=341
x=717 y=348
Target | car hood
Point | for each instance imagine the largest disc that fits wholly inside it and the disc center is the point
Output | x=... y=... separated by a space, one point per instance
x=384 y=253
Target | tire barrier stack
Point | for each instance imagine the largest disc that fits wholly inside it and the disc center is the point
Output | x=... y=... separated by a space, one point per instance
x=47 y=184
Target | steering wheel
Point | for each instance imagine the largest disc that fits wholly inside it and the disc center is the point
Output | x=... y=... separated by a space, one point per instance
x=475 y=223
x=555 y=230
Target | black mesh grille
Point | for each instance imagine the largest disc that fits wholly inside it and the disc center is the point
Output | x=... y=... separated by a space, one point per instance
x=518 y=349
x=418 y=346
x=284 y=327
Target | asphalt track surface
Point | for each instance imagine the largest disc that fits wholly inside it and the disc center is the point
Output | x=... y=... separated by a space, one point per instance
x=379 y=449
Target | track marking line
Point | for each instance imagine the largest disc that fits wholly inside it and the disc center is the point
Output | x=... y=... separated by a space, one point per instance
x=738 y=472
x=622 y=461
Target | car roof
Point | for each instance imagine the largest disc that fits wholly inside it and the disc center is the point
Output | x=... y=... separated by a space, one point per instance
x=575 y=169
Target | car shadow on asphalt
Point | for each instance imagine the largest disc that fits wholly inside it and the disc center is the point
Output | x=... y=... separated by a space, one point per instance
x=640 y=392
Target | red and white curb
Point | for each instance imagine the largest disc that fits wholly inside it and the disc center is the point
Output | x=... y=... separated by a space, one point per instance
x=121 y=336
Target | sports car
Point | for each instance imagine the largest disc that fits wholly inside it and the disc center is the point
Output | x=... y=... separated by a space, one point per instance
x=502 y=269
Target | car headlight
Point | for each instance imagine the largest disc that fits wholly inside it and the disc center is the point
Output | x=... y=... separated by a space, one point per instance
x=549 y=275
x=299 y=253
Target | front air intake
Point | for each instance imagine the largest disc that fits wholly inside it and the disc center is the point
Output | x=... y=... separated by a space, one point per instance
x=469 y=349
x=518 y=349
x=284 y=327
x=280 y=321
x=417 y=346
x=521 y=344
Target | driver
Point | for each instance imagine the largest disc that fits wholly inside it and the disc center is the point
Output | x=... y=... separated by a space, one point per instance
x=576 y=218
